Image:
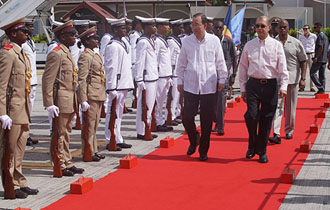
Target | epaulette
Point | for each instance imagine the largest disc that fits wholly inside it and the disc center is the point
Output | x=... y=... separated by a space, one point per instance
x=57 y=48
x=8 y=47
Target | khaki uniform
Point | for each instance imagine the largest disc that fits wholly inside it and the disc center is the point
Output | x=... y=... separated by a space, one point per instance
x=60 y=67
x=15 y=75
x=91 y=89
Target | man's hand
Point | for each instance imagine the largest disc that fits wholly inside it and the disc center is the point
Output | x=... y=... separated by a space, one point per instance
x=243 y=96
x=180 y=89
x=302 y=84
x=221 y=87
x=282 y=93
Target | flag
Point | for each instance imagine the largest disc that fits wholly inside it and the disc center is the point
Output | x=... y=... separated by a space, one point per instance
x=236 y=26
x=227 y=25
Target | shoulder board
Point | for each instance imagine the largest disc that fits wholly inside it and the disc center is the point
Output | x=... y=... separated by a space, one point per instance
x=8 y=47
x=57 y=48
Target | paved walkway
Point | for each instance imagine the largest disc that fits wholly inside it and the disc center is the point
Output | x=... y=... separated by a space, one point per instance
x=310 y=191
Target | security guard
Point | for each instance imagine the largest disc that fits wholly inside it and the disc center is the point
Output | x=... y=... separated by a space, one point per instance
x=15 y=88
x=164 y=71
x=29 y=48
x=91 y=89
x=146 y=73
x=59 y=84
x=119 y=80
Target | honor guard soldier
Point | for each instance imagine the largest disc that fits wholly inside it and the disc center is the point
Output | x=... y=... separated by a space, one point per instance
x=164 y=71
x=174 y=43
x=119 y=80
x=187 y=28
x=91 y=93
x=106 y=38
x=15 y=87
x=30 y=49
x=146 y=76
x=59 y=95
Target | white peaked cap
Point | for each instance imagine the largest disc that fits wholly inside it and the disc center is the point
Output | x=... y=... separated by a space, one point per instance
x=210 y=19
x=176 y=22
x=187 y=21
x=145 y=20
x=116 y=22
x=80 y=22
x=109 y=20
x=162 y=20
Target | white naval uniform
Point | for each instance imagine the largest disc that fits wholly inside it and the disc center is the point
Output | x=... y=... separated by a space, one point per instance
x=133 y=37
x=174 y=44
x=30 y=49
x=117 y=67
x=146 y=72
x=164 y=74
x=104 y=43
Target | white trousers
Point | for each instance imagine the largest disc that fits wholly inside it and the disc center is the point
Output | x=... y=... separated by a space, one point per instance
x=163 y=85
x=121 y=97
x=175 y=104
x=32 y=97
x=150 y=100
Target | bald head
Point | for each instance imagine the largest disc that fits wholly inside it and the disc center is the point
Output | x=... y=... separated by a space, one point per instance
x=283 y=29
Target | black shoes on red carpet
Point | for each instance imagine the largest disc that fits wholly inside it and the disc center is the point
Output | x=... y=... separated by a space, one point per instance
x=263 y=158
x=250 y=154
x=191 y=150
x=276 y=139
x=288 y=136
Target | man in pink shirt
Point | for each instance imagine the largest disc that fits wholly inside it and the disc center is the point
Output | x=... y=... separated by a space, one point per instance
x=262 y=66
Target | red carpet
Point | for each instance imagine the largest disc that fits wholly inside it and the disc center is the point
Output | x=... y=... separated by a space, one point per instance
x=169 y=179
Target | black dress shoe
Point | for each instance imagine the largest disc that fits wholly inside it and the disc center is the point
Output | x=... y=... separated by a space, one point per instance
x=76 y=170
x=28 y=143
x=288 y=136
x=169 y=128
x=178 y=120
x=276 y=139
x=20 y=194
x=250 y=154
x=154 y=136
x=191 y=150
x=29 y=191
x=129 y=110
x=174 y=123
x=124 y=145
x=203 y=157
x=161 y=128
x=33 y=141
x=99 y=156
x=220 y=133
x=95 y=158
x=319 y=92
x=263 y=158
x=67 y=172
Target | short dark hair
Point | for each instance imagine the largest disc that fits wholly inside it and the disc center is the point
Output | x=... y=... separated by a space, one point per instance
x=203 y=17
x=318 y=24
x=306 y=26
x=134 y=23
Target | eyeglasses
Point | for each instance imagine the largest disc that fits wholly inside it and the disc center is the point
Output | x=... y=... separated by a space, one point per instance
x=305 y=29
x=260 y=26
x=282 y=27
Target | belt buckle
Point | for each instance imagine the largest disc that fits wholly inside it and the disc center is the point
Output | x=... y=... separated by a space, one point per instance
x=263 y=81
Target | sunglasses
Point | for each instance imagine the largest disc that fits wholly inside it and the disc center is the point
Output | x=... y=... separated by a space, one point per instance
x=305 y=29
x=282 y=27
x=260 y=26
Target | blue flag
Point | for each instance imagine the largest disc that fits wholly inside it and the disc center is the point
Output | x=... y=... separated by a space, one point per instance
x=236 y=26
x=227 y=24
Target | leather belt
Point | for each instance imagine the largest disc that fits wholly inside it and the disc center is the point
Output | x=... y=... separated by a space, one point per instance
x=262 y=81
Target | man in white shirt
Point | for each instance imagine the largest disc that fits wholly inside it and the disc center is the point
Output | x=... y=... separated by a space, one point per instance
x=262 y=63
x=146 y=74
x=201 y=72
x=308 y=40
x=29 y=48
x=164 y=72
x=119 y=80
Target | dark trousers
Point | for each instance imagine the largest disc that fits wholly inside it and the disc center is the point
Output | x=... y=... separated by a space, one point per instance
x=190 y=108
x=261 y=106
x=320 y=80
x=221 y=108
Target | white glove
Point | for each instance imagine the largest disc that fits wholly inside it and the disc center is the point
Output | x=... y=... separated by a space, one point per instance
x=141 y=85
x=6 y=122
x=84 y=106
x=53 y=111
x=113 y=93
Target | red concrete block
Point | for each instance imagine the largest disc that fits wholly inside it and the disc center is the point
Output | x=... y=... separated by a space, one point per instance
x=238 y=99
x=231 y=104
x=128 y=162
x=326 y=104
x=167 y=142
x=19 y=208
x=82 y=185
x=305 y=146
x=322 y=96
x=288 y=176
x=314 y=128
x=321 y=114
